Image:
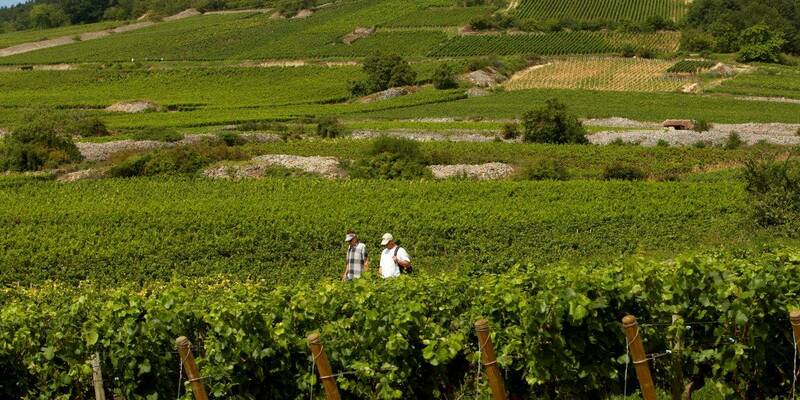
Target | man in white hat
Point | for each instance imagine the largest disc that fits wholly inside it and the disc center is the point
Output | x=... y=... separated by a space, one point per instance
x=357 y=257
x=393 y=258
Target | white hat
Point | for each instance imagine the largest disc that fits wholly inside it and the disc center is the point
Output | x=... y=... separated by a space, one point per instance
x=387 y=237
x=349 y=237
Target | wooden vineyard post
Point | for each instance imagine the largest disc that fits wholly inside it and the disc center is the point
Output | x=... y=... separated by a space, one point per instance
x=185 y=352
x=638 y=356
x=794 y=318
x=97 y=378
x=489 y=360
x=323 y=367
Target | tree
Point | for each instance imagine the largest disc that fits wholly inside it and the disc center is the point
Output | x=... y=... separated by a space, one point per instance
x=47 y=16
x=760 y=43
x=553 y=124
x=444 y=77
x=384 y=71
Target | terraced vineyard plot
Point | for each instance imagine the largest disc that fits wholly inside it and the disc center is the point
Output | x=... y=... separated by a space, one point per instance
x=690 y=66
x=594 y=73
x=616 y=10
x=15 y=38
x=440 y=16
x=764 y=81
x=558 y=43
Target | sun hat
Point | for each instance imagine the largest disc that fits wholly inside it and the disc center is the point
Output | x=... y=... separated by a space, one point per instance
x=349 y=237
x=386 y=239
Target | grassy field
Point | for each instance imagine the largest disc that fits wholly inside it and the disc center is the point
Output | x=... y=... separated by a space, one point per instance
x=615 y=10
x=769 y=81
x=14 y=38
x=557 y=43
x=596 y=73
x=144 y=229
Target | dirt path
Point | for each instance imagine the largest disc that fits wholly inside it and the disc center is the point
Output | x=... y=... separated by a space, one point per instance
x=65 y=40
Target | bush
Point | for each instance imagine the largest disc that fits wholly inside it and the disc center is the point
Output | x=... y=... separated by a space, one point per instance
x=547 y=170
x=662 y=143
x=733 y=142
x=628 y=50
x=701 y=125
x=444 y=77
x=697 y=41
x=391 y=158
x=760 y=43
x=623 y=172
x=510 y=131
x=181 y=160
x=232 y=139
x=79 y=124
x=553 y=124
x=383 y=71
x=329 y=127
x=157 y=134
x=41 y=142
x=292 y=7
x=774 y=192
x=647 y=53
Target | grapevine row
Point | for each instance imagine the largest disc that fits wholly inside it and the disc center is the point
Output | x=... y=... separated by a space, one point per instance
x=635 y=10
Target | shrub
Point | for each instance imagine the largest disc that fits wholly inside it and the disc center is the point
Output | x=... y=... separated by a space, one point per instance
x=232 y=139
x=329 y=127
x=391 y=158
x=292 y=7
x=701 y=125
x=547 y=170
x=41 y=142
x=628 y=50
x=697 y=41
x=662 y=143
x=774 y=192
x=80 y=124
x=159 y=134
x=181 y=160
x=510 y=131
x=644 y=52
x=383 y=71
x=700 y=144
x=760 y=43
x=623 y=172
x=444 y=77
x=553 y=124
x=733 y=142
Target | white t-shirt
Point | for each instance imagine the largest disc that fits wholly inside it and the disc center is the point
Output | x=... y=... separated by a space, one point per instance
x=389 y=268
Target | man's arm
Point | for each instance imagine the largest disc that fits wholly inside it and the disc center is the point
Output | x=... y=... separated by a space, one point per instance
x=402 y=259
x=344 y=274
x=366 y=265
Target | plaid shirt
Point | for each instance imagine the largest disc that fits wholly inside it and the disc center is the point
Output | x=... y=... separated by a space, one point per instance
x=356 y=257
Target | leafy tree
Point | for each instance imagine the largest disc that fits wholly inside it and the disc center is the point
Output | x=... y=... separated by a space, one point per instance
x=553 y=124
x=383 y=72
x=774 y=192
x=47 y=16
x=760 y=43
x=444 y=77
x=697 y=40
x=40 y=142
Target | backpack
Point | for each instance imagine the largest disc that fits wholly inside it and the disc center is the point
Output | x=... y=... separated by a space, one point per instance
x=403 y=270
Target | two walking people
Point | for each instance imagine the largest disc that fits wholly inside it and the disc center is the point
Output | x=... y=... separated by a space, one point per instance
x=394 y=259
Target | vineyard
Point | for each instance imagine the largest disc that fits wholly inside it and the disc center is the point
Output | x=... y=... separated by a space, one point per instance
x=614 y=10
x=439 y=16
x=557 y=43
x=150 y=229
x=764 y=81
x=690 y=66
x=557 y=332
x=595 y=73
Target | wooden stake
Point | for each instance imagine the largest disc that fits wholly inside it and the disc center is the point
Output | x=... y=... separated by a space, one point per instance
x=323 y=367
x=185 y=352
x=489 y=360
x=97 y=378
x=794 y=317
x=638 y=357
x=678 y=387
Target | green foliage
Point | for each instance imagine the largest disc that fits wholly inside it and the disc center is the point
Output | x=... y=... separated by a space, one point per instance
x=733 y=142
x=44 y=16
x=760 y=43
x=553 y=124
x=690 y=66
x=391 y=158
x=697 y=41
x=656 y=12
x=157 y=134
x=701 y=125
x=494 y=21
x=510 y=131
x=330 y=127
x=548 y=170
x=384 y=71
x=444 y=77
x=250 y=336
x=774 y=193
x=291 y=7
x=624 y=172
x=232 y=139
x=180 y=160
x=42 y=141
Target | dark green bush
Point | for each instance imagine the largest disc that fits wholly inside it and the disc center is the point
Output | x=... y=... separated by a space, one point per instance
x=623 y=172
x=546 y=170
x=383 y=71
x=510 y=131
x=553 y=124
x=774 y=193
x=157 y=134
x=40 y=142
x=733 y=142
x=80 y=124
x=232 y=139
x=444 y=77
x=329 y=127
x=391 y=158
x=181 y=160
x=760 y=43
x=701 y=125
